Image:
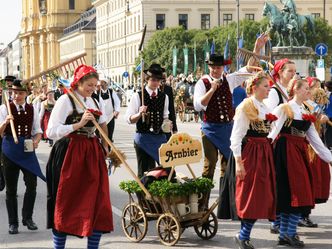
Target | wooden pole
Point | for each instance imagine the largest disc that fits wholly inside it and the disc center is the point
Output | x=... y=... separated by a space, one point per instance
x=12 y=126
x=105 y=137
x=142 y=87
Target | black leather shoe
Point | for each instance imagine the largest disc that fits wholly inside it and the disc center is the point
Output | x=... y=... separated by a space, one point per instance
x=243 y=244
x=282 y=242
x=274 y=229
x=30 y=224
x=294 y=241
x=307 y=222
x=13 y=229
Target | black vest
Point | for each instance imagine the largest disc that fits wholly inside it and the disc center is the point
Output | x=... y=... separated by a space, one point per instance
x=75 y=117
x=155 y=112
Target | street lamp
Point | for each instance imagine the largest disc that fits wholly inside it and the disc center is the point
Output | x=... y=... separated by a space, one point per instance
x=324 y=9
x=127 y=13
x=219 y=13
x=238 y=30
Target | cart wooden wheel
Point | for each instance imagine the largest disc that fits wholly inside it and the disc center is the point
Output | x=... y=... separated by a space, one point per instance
x=209 y=228
x=169 y=229
x=134 y=222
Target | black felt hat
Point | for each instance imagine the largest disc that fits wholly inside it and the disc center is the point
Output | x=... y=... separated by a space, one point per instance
x=217 y=60
x=328 y=85
x=155 y=71
x=10 y=78
x=19 y=85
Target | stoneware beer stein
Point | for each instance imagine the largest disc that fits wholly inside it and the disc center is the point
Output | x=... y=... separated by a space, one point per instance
x=28 y=145
x=183 y=209
x=166 y=126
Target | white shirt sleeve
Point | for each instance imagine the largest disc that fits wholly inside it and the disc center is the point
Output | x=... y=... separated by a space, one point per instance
x=235 y=79
x=317 y=144
x=36 y=129
x=240 y=128
x=57 y=128
x=133 y=107
x=166 y=105
x=278 y=124
x=199 y=92
x=116 y=101
x=3 y=113
x=272 y=100
x=42 y=111
x=103 y=117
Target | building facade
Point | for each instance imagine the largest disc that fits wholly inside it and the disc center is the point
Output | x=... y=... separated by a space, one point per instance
x=43 y=22
x=120 y=23
x=80 y=38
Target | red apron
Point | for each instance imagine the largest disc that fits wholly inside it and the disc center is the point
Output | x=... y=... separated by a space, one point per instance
x=83 y=199
x=321 y=178
x=299 y=171
x=255 y=196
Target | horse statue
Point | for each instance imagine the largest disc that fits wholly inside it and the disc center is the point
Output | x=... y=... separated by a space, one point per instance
x=288 y=24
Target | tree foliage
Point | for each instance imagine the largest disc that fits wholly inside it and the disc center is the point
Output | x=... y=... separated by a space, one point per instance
x=160 y=46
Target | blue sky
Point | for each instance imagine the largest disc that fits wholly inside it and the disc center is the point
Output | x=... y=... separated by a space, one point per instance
x=10 y=20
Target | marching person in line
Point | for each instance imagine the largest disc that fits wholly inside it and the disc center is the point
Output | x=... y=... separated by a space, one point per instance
x=9 y=83
x=149 y=135
x=168 y=90
x=35 y=93
x=255 y=195
x=328 y=111
x=283 y=71
x=293 y=170
x=111 y=103
x=45 y=113
x=78 y=200
x=59 y=91
x=320 y=169
x=21 y=156
x=213 y=96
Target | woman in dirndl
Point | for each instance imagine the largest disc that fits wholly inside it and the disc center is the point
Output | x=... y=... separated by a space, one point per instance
x=320 y=169
x=295 y=188
x=253 y=157
x=78 y=200
x=45 y=113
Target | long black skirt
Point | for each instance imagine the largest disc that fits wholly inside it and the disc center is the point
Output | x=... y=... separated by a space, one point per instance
x=227 y=206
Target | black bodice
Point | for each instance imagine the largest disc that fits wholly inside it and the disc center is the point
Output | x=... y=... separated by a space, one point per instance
x=296 y=127
x=259 y=129
x=76 y=117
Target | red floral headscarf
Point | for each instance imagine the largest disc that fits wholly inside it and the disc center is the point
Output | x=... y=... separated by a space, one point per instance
x=311 y=80
x=277 y=67
x=80 y=72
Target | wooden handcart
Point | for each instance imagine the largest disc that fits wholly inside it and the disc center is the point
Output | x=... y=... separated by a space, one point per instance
x=180 y=150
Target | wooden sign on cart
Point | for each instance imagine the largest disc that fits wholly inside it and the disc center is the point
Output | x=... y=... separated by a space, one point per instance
x=181 y=149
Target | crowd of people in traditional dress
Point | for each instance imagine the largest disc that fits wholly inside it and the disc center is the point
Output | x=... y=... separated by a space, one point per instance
x=273 y=145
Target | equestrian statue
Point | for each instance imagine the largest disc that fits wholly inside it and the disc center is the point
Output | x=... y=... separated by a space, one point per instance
x=286 y=23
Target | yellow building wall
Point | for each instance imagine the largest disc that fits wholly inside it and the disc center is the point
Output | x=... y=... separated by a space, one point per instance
x=40 y=32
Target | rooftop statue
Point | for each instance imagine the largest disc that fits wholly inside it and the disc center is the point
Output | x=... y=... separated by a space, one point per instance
x=286 y=23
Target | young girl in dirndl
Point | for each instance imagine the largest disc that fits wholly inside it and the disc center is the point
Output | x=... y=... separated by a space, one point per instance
x=293 y=170
x=78 y=200
x=254 y=167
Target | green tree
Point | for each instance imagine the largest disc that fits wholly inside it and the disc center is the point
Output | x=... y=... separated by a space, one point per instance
x=323 y=34
x=160 y=45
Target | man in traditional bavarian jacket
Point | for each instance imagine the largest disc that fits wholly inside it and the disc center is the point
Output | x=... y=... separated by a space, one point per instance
x=213 y=96
x=149 y=135
x=20 y=156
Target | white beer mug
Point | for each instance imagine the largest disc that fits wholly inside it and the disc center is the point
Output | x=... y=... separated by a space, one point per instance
x=28 y=145
x=195 y=197
x=183 y=209
x=166 y=126
x=193 y=207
